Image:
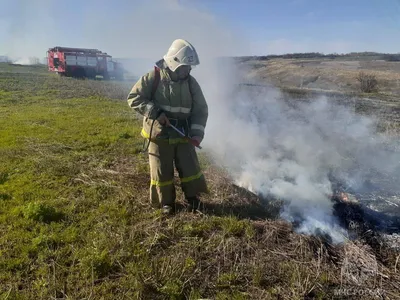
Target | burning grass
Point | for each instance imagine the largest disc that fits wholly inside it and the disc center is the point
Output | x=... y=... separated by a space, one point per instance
x=75 y=221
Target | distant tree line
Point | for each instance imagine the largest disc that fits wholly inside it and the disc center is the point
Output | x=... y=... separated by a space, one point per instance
x=392 y=57
x=376 y=55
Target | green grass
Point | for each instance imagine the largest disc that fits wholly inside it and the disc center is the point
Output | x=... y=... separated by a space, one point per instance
x=76 y=223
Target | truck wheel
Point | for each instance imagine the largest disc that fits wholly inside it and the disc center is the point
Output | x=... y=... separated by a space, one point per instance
x=79 y=73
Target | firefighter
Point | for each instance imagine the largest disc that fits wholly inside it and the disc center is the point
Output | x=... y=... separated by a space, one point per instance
x=169 y=94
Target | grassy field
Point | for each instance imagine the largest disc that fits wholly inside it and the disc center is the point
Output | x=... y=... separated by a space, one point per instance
x=75 y=222
x=338 y=75
x=337 y=80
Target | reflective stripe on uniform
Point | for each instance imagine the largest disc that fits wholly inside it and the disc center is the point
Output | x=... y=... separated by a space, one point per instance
x=161 y=183
x=197 y=127
x=177 y=141
x=191 y=178
x=175 y=109
x=144 y=134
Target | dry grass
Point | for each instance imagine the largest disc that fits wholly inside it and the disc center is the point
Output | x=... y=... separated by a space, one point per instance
x=325 y=74
x=338 y=81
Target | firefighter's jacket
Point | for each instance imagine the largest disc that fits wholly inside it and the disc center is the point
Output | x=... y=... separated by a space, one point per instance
x=176 y=99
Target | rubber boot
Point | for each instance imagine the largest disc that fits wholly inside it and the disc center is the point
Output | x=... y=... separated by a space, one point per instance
x=194 y=205
x=167 y=210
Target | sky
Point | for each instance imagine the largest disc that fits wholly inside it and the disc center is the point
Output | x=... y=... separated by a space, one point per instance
x=132 y=28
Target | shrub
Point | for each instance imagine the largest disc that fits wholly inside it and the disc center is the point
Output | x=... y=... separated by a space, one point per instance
x=368 y=82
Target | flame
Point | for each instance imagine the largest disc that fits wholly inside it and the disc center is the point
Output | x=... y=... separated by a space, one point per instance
x=341 y=196
x=344 y=197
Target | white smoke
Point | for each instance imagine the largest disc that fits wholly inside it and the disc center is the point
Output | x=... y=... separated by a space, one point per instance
x=27 y=61
x=290 y=153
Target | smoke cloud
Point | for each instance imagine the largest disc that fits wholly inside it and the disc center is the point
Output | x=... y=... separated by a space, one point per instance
x=291 y=150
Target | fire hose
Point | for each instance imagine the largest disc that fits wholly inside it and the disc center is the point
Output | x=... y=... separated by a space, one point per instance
x=192 y=141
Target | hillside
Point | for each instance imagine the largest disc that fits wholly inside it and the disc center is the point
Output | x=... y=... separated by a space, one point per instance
x=75 y=222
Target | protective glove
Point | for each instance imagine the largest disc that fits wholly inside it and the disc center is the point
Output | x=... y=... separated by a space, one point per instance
x=163 y=120
x=197 y=140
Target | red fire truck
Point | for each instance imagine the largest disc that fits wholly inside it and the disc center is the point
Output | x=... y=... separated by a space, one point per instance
x=83 y=63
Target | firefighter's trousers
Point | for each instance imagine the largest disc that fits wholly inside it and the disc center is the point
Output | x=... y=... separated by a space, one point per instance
x=163 y=159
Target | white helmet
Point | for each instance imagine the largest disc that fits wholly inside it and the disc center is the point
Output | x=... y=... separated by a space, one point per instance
x=181 y=53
